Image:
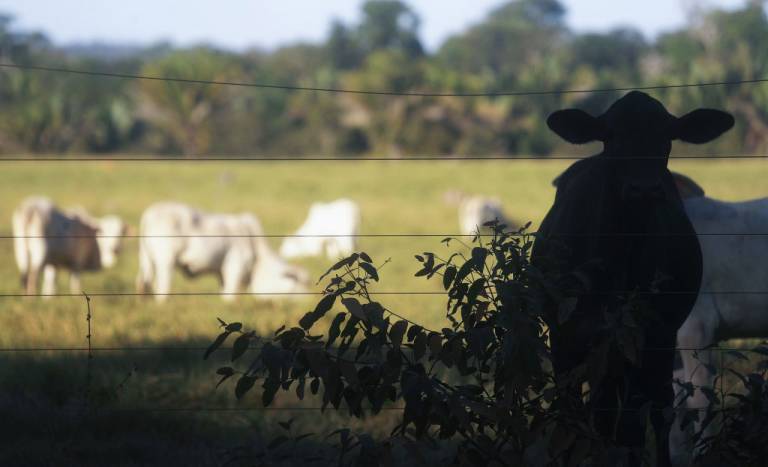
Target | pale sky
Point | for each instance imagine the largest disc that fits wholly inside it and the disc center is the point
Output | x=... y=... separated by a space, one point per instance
x=238 y=24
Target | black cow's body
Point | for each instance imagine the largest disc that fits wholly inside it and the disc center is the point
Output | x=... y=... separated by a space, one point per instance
x=618 y=224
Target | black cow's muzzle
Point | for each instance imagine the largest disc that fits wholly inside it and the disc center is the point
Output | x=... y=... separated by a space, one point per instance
x=643 y=191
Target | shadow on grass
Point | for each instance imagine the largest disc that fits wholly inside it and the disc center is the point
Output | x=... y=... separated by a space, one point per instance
x=156 y=406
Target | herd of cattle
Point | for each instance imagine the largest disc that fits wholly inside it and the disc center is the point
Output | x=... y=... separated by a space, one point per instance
x=173 y=235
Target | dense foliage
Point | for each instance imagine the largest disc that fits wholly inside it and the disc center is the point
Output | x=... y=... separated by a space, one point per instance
x=483 y=385
x=480 y=391
x=521 y=45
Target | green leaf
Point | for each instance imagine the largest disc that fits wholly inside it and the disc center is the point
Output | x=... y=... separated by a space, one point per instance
x=216 y=344
x=435 y=342
x=364 y=256
x=448 y=276
x=354 y=308
x=244 y=384
x=478 y=258
x=475 y=289
x=340 y=264
x=370 y=270
x=240 y=345
x=464 y=270
x=348 y=371
x=234 y=327
x=325 y=304
x=226 y=372
x=413 y=331
x=314 y=386
x=435 y=270
x=335 y=329
x=348 y=261
x=419 y=345
x=270 y=388
x=308 y=320
x=396 y=333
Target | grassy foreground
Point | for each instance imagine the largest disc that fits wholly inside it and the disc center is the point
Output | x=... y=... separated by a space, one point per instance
x=165 y=366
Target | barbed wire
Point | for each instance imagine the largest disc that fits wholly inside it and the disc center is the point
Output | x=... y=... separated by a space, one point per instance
x=341 y=408
x=232 y=409
x=229 y=349
x=373 y=293
x=398 y=235
x=205 y=158
x=285 y=87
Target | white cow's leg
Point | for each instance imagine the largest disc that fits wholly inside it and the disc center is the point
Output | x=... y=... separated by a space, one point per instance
x=233 y=275
x=74 y=282
x=163 y=273
x=49 y=280
x=698 y=332
x=146 y=271
x=332 y=249
x=346 y=245
x=37 y=253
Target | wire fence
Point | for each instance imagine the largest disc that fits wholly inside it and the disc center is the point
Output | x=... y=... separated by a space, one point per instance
x=546 y=92
x=395 y=235
x=90 y=350
x=405 y=158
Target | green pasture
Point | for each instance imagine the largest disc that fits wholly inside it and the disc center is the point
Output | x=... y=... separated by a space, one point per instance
x=396 y=197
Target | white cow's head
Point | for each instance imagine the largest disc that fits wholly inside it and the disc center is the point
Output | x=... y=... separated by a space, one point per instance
x=274 y=275
x=109 y=238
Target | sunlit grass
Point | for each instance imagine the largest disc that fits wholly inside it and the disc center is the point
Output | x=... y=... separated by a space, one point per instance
x=396 y=197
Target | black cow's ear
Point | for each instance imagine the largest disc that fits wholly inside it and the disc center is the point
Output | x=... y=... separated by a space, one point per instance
x=576 y=126
x=702 y=125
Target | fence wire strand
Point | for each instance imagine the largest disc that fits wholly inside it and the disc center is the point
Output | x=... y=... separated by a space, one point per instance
x=448 y=158
x=386 y=92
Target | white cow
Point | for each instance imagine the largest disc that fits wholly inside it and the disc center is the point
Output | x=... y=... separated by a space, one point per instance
x=732 y=263
x=227 y=245
x=476 y=210
x=330 y=229
x=47 y=238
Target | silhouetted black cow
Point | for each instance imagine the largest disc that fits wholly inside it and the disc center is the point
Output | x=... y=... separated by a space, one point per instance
x=618 y=225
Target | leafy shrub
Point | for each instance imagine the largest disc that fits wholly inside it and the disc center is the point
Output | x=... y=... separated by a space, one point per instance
x=482 y=386
x=736 y=414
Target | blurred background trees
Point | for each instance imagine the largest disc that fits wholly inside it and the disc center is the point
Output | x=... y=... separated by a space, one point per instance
x=521 y=45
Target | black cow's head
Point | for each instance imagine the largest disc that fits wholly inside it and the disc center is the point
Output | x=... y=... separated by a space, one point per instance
x=638 y=132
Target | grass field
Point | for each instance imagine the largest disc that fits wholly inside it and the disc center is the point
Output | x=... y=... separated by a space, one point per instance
x=396 y=197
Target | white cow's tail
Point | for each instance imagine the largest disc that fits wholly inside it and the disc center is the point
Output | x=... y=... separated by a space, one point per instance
x=146 y=272
x=21 y=243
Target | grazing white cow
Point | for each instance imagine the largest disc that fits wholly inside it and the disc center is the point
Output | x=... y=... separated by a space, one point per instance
x=227 y=245
x=330 y=229
x=47 y=238
x=476 y=210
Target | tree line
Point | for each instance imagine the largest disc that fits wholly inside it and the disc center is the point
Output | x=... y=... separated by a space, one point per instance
x=521 y=45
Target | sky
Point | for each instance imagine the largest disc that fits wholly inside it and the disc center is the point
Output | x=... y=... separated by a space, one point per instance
x=240 y=24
